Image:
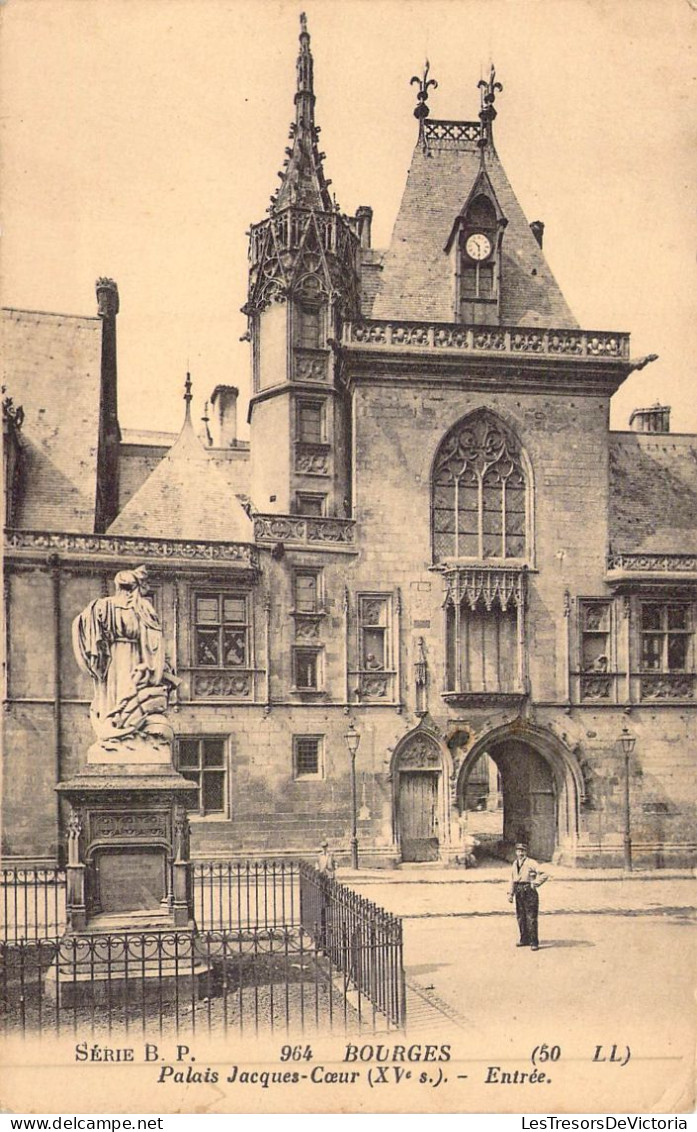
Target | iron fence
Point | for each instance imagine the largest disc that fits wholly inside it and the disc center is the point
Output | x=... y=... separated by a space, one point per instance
x=33 y=904
x=266 y=928
x=162 y=982
x=361 y=940
x=245 y=894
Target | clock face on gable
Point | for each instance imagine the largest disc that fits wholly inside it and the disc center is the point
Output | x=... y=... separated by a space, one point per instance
x=478 y=246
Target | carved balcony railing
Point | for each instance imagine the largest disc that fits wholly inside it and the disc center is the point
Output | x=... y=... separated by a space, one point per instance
x=667 y=686
x=445 y=337
x=122 y=546
x=652 y=563
x=301 y=531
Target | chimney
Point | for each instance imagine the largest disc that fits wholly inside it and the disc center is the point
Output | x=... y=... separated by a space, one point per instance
x=107 y=499
x=538 y=230
x=654 y=419
x=224 y=414
x=364 y=219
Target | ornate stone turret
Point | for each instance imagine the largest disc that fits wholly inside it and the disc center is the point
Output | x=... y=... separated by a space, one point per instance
x=303 y=281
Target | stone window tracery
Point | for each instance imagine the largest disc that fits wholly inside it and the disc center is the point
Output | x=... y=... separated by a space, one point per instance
x=479 y=493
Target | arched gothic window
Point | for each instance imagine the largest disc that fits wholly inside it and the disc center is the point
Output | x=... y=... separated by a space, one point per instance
x=479 y=493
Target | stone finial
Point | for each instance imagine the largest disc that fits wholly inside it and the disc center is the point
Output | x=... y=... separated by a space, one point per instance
x=107 y=297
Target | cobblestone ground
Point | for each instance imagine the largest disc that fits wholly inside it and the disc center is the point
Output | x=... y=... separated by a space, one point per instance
x=616 y=966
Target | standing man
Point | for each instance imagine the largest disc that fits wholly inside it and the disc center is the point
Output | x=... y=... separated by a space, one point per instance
x=526 y=878
x=326 y=863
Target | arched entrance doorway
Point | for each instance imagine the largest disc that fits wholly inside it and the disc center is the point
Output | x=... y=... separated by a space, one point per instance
x=537 y=785
x=420 y=797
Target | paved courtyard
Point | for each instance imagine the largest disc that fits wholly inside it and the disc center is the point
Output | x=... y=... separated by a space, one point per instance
x=616 y=966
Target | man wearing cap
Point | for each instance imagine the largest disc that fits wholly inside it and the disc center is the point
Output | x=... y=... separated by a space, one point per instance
x=526 y=878
x=326 y=864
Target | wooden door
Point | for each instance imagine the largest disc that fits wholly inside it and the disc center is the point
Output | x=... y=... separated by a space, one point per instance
x=418 y=815
x=529 y=800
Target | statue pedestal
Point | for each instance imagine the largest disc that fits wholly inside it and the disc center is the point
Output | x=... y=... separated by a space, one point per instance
x=128 y=847
x=131 y=934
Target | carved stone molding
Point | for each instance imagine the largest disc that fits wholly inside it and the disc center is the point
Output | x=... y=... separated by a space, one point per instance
x=668 y=686
x=490 y=585
x=307 y=627
x=144 y=549
x=420 y=753
x=221 y=685
x=653 y=563
x=310 y=366
x=597 y=687
x=506 y=339
x=374 y=685
x=115 y=825
x=312 y=459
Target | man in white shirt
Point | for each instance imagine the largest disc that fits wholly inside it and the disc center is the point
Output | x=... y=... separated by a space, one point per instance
x=526 y=878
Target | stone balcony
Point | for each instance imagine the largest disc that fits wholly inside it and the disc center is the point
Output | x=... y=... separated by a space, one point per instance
x=452 y=338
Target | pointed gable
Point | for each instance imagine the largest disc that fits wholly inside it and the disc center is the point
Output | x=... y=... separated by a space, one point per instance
x=185 y=497
x=417 y=277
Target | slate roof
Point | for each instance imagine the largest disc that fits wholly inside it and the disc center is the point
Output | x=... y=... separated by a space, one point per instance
x=186 y=496
x=52 y=368
x=417 y=276
x=653 y=493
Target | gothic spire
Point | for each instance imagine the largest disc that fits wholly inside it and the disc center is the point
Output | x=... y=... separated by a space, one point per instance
x=303 y=183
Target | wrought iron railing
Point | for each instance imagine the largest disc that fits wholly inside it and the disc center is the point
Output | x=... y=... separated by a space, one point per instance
x=361 y=940
x=170 y=981
x=33 y=904
x=256 y=895
x=275 y=943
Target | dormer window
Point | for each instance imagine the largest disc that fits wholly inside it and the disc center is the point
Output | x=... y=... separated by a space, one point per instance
x=478 y=280
x=475 y=245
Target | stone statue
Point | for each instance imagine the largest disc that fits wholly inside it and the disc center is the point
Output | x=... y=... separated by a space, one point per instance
x=118 y=641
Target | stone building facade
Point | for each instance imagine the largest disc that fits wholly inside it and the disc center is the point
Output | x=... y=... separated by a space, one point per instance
x=432 y=539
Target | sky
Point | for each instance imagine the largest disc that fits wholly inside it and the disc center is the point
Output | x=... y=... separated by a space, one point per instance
x=141 y=138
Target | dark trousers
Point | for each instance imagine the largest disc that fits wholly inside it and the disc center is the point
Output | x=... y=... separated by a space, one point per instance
x=527 y=905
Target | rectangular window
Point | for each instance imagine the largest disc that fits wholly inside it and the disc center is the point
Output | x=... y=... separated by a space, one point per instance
x=203 y=761
x=308 y=756
x=311 y=422
x=595 y=636
x=306 y=591
x=309 y=327
x=665 y=636
x=221 y=630
x=374 y=625
x=311 y=504
x=307 y=669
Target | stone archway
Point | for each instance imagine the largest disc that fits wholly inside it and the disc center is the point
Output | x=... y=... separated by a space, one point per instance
x=420 y=782
x=542 y=789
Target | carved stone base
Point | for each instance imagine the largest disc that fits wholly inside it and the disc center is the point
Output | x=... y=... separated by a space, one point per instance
x=128 y=846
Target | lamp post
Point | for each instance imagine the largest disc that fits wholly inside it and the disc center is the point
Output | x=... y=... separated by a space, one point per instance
x=353 y=740
x=627 y=742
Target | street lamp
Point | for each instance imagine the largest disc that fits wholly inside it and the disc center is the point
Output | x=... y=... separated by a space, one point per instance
x=353 y=740
x=627 y=742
